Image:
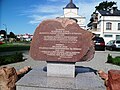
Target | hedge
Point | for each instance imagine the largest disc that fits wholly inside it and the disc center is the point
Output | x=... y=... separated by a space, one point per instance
x=5 y=48
x=7 y=59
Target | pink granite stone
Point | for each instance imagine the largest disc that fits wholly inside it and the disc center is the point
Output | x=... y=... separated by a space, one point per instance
x=113 y=80
x=8 y=78
x=61 y=40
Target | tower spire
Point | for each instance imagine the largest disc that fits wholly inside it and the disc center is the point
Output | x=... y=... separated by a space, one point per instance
x=71 y=1
x=71 y=5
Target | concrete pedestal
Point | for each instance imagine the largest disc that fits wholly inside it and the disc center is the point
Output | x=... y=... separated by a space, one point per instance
x=60 y=69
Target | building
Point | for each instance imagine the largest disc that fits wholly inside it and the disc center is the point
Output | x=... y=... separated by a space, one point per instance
x=71 y=11
x=106 y=23
x=25 y=37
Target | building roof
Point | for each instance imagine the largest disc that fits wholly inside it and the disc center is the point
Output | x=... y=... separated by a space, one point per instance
x=109 y=13
x=71 y=5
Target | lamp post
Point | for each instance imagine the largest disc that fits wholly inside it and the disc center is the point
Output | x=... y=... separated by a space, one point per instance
x=6 y=33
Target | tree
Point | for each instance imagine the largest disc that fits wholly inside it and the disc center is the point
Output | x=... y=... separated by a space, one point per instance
x=105 y=5
x=12 y=35
x=3 y=32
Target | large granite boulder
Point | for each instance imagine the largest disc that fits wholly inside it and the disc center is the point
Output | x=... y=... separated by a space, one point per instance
x=61 y=40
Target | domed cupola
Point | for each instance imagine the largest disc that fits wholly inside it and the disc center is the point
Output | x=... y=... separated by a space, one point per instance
x=71 y=5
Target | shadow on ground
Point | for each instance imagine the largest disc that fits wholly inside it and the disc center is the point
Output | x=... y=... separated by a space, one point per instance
x=81 y=69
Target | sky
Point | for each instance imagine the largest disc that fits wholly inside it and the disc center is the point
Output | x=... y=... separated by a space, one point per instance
x=23 y=16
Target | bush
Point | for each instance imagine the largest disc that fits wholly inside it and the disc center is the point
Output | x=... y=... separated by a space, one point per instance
x=7 y=59
x=112 y=60
x=109 y=58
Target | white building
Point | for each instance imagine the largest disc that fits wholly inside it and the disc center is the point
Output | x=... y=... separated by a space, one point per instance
x=25 y=37
x=108 y=24
x=71 y=11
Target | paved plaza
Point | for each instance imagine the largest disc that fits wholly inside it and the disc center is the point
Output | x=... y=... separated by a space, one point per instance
x=98 y=62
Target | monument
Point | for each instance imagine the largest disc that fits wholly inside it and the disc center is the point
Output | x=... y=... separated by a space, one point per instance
x=61 y=43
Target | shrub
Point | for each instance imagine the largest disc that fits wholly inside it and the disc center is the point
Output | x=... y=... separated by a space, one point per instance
x=109 y=58
x=7 y=59
x=112 y=60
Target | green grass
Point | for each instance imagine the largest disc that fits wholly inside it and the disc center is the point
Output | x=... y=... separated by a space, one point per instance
x=7 y=59
x=14 y=47
x=112 y=60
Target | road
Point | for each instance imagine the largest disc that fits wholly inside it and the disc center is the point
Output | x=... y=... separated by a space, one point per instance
x=97 y=63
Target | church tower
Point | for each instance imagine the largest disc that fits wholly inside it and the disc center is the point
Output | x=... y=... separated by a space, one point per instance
x=71 y=8
x=71 y=11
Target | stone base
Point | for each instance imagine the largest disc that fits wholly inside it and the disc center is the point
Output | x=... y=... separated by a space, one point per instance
x=60 y=69
x=37 y=79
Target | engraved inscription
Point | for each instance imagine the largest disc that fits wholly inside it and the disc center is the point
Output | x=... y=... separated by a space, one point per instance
x=60 y=35
x=60 y=50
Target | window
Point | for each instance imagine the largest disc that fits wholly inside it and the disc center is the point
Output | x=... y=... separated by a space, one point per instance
x=108 y=26
x=118 y=26
x=108 y=35
x=117 y=37
x=118 y=41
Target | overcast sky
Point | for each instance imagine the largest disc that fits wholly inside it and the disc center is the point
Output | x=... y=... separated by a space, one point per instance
x=23 y=16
